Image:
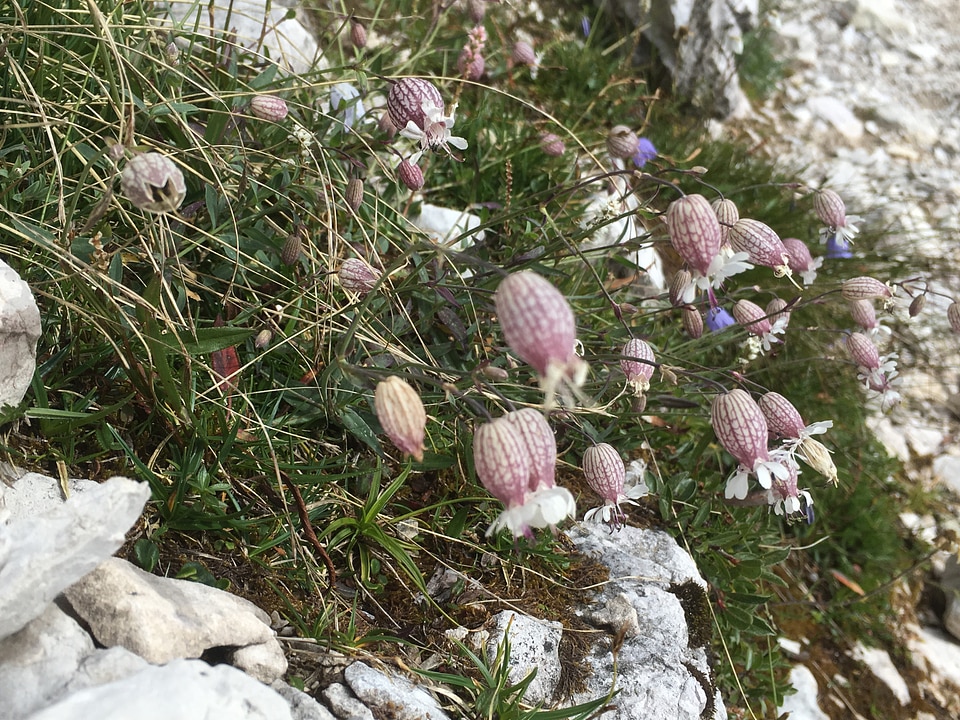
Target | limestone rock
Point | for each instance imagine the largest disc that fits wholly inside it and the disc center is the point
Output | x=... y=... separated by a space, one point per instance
x=391 y=695
x=302 y=706
x=343 y=703
x=40 y=556
x=19 y=332
x=803 y=704
x=181 y=689
x=33 y=494
x=534 y=645
x=161 y=619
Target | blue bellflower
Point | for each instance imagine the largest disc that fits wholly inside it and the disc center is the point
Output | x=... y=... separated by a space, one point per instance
x=717 y=319
x=838 y=248
x=645 y=152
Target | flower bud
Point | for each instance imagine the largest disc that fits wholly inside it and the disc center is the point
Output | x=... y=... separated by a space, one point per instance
x=864 y=288
x=776 y=309
x=692 y=321
x=917 y=305
x=953 y=316
x=752 y=317
x=268 y=107
x=358 y=34
x=386 y=126
x=638 y=373
x=727 y=215
x=523 y=53
x=476 y=9
x=622 y=142
x=830 y=208
x=740 y=426
x=604 y=471
x=798 y=255
x=783 y=419
x=357 y=276
x=153 y=183
x=470 y=64
x=354 y=193
x=410 y=174
x=263 y=338
x=501 y=461
x=540 y=443
x=290 y=252
x=492 y=372
x=761 y=243
x=863 y=314
x=863 y=351
x=406 y=99
x=552 y=145
x=401 y=415
x=681 y=280
x=694 y=231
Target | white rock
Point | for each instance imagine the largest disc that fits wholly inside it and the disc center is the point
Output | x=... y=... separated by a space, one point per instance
x=41 y=556
x=302 y=706
x=534 y=645
x=268 y=35
x=935 y=653
x=882 y=666
x=924 y=441
x=890 y=437
x=344 y=704
x=265 y=661
x=451 y=228
x=19 y=332
x=181 y=690
x=161 y=619
x=34 y=494
x=803 y=704
x=391 y=695
x=881 y=16
x=946 y=469
x=838 y=115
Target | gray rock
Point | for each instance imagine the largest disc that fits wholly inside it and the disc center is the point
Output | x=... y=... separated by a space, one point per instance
x=393 y=696
x=534 y=645
x=343 y=703
x=19 y=332
x=264 y=661
x=41 y=556
x=181 y=690
x=662 y=669
x=302 y=706
x=161 y=619
x=33 y=494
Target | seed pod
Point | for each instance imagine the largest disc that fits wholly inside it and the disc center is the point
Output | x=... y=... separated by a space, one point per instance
x=401 y=415
x=622 y=142
x=681 y=280
x=604 y=471
x=357 y=276
x=537 y=321
x=638 y=373
x=263 y=338
x=291 y=248
x=410 y=174
x=358 y=34
x=153 y=183
x=354 y=193
x=864 y=288
x=406 y=99
x=798 y=255
x=776 y=309
x=760 y=242
x=783 y=419
x=501 y=461
x=752 y=317
x=815 y=454
x=540 y=443
x=694 y=231
x=727 y=215
x=268 y=107
x=953 y=316
x=863 y=314
x=740 y=426
x=863 y=351
x=552 y=145
x=830 y=208
x=917 y=305
x=692 y=321
x=523 y=53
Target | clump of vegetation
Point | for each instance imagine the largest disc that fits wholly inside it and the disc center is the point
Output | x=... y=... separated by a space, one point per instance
x=231 y=260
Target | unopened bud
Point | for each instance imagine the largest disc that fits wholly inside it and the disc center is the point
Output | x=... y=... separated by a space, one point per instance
x=354 y=193
x=692 y=321
x=476 y=9
x=727 y=215
x=953 y=316
x=917 y=305
x=552 y=145
x=681 y=280
x=291 y=248
x=523 y=53
x=410 y=174
x=830 y=208
x=263 y=338
x=357 y=276
x=401 y=415
x=358 y=34
x=497 y=374
x=622 y=142
x=864 y=288
x=268 y=107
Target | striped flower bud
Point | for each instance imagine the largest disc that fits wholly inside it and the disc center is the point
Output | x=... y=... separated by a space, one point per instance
x=863 y=351
x=694 y=231
x=538 y=324
x=678 y=286
x=752 y=317
x=541 y=446
x=358 y=34
x=290 y=252
x=523 y=53
x=604 y=471
x=357 y=276
x=864 y=288
x=153 y=183
x=622 y=142
x=864 y=314
x=410 y=174
x=727 y=215
x=552 y=145
x=776 y=311
x=784 y=494
x=354 y=193
x=406 y=99
x=917 y=305
x=268 y=107
x=953 y=316
x=638 y=373
x=740 y=427
x=783 y=419
x=471 y=65
x=476 y=9
x=801 y=261
x=502 y=462
x=829 y=208
x=401 y=415
x=761 y=243
x=692 y=321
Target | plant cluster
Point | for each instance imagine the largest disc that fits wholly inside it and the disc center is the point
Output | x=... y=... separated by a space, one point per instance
x=501 y=259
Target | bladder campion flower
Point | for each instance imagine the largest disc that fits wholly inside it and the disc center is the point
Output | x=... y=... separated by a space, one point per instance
x=953 y=316
x=727 y=214
x=786 y=497
x=153 y=183
x=622 y=142
x=605 y=472
x=638 y=373
x=692 y=321
x=864 y=288
x=552 y=145
x=877 y=373
x=801 y=261
x=833 y=213
x=401 y=415
x=268 y=107
x=742 y=430
x=762 y=245
x=551 y=502
x=755 y=320
x=417 y=109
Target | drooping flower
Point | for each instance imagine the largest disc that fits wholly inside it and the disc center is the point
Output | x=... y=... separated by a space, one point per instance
x=401 y=415
x=784 y=421
x=833 y=213
x=864 y=288
x=622 y=142
x=638 y=373
x=268 y=107
x=718 y=318
x=605 y=472
x=777 y=311
x=524 y=54
x=742 y=430
x=410 y=173
x=503 y=466
x=153 y=183
x=727 y=214
x=801 y=261
x=357 y=276
x=417 y=109
x=539 y=326
x=762 y=245
x=877 y=373
x=838 y=249
x=645 y=152
x=754 y=319
x=785 y=496
x=864 y=315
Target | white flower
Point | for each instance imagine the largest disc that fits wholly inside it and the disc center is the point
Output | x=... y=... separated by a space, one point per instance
x=435 y=134
x=844 y=233
x=724 y=265
x=810 y=274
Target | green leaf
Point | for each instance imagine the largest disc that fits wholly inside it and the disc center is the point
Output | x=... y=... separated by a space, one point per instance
x=147 y=554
